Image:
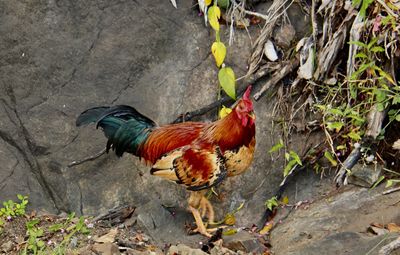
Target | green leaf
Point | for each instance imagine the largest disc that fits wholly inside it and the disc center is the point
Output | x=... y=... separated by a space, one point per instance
x=40 y=243
x=396 y=99
x=378 y=49
x=289 y=167
x=271 y=203
x=276 y=147
x=296 y=157
x=380 y=107
x=380 y=95
x=360 y=55
x=223 y=4
x=391 y=182
x=364 y=6
x=354 y=135
x=358 y=43
x=226 y=78
x=398 y=117
x=337 y=126
x=356 y=118
x=374 y=40
x=353 y=91
x=218 y=50
x=329 y=157
x=214 y=13
x=335 y=111
x=378 y=181
x=20 y=197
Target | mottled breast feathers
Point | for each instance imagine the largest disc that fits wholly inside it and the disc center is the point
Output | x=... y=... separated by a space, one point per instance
x=196 y=167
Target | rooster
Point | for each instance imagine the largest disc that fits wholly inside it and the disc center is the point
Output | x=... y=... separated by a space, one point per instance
x=196 y=155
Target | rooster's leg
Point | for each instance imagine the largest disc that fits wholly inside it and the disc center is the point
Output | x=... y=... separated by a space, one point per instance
x=195 y=202
x=207 y=209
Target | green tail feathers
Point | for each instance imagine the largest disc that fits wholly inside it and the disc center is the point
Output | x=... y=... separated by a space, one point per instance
x=125 y=128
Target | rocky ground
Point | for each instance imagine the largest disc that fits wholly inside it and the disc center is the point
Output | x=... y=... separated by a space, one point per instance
x=58 y=58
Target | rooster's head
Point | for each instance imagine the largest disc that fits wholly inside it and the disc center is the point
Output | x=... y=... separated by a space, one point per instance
x=244 y=109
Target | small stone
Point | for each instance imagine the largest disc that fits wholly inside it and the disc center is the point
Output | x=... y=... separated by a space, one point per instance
x=7 y=246
x=182 y=249
x=243 y=241
x=284 y=36
x=365 y=175
x=217 y=250
x=106 y=249
x=378 y=231
x=73 y=243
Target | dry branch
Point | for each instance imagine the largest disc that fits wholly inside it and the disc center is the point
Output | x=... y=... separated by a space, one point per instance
x=387 y=249
x=391 y=191
x=348 y=164
x=375 y=121
x=90 y=158
x=271 y=19
x=286 y=68
x=328 y=54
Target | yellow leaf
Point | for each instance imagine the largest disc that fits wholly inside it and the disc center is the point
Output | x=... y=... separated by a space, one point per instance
x=229 y=232
x=267 y=228
x=230 y=219
x=214 y=13
x=226 y=78
x=208 y=2
x=285 y=200
x=392 y=227
x=224 y=112
x=218 y=50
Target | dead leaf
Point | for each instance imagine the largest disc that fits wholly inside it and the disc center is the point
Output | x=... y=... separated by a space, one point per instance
x=107 y=238
x=285 y=200
x=396 y=145
x=267 y=228
x=378 y=225
x=173 y=2
x=377 y=231
x=307 y=59
x=269 y=51
x=393 y=227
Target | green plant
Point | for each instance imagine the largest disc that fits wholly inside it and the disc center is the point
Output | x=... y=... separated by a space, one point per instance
x=226 y=76
x=12 y=209
x=69 y=227
x=364 y=5
x=34 y=244
x=291 y=157
x=271 y=203
x=345 y=106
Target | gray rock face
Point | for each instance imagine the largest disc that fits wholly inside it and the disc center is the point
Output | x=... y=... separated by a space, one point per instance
x=337 y=224
x=59 y=58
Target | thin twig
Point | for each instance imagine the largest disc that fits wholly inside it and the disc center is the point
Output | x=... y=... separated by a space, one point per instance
x=287 y=67
x=391 y=191
x=262 y=72
x=387 y=8
x=90 y=158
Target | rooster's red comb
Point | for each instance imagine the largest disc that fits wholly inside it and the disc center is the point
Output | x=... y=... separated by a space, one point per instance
x=246 y=95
